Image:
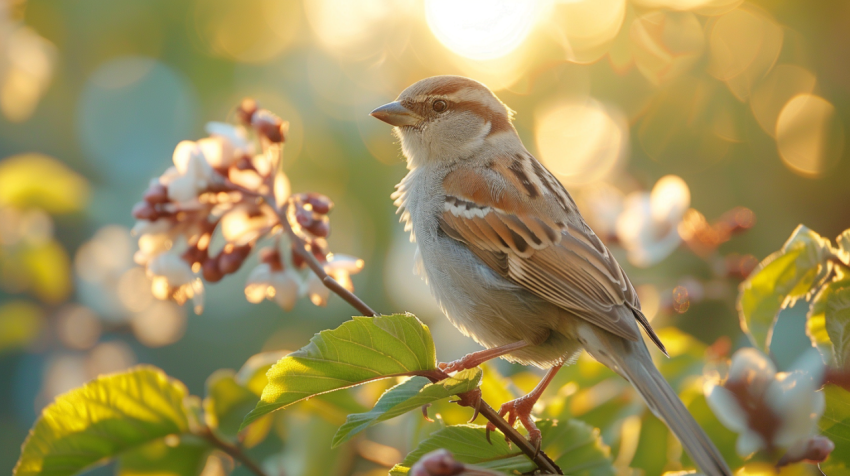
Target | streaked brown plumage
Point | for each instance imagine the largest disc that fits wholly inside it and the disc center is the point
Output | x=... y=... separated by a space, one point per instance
x=509 y=257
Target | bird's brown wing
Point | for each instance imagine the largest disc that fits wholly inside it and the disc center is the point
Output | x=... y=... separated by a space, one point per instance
x=519 y=220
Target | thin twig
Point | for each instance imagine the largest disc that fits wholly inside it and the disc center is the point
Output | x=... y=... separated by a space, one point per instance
x=232 y=450
x=542 y=460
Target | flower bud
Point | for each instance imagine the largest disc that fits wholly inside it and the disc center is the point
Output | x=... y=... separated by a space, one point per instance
x=271 y=256
x=145 y=211
x=320 y=228
x=211 y=271
x=230 y=261
x=268 y=125
x=303 y=217
x=247 y=108
x=297 y=260
x=320 y=203
x=156 y=193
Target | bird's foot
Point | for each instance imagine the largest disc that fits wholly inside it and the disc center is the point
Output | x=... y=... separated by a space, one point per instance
x=468 y=361
x=475 y=359
x=471 y=399
x=520 y=410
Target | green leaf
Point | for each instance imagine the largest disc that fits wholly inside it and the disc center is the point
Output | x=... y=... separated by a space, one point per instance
x=828 y=323
x=101 y=419
x=843 y=242
x=835 y=425
x=360 y=350
x=407 y=396
x=186 y=456
x=469 y=445
x=307 y=451
x=686 y=359
x=781 y=279
x=36 y=180
x=575 y=446
x=227 y=402
x=252 y=375
x=21 y=322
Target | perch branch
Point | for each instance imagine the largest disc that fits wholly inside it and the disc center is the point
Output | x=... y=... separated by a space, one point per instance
x=540 y=458
x=232 y=450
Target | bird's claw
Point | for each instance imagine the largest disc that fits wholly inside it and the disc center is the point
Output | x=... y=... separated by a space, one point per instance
x=472 y=399
x=425 y=413
x=519 y=410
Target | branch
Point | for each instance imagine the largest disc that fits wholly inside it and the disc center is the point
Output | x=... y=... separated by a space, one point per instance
x=839 y=377
x=232 y=450
x=542 y=460
x=300 y=247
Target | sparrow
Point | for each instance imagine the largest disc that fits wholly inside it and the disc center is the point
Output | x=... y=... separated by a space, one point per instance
x=510 y=259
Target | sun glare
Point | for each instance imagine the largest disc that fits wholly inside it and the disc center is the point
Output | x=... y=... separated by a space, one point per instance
x=481 y=29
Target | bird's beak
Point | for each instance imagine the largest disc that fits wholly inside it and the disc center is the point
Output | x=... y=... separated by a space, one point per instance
x=396 y=115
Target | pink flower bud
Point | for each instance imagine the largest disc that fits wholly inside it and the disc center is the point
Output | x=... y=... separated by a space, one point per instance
x=211 y=271
x=268 y=125
x=303 y=217
x=320 y=203
x=297 y=260
x=145 y=211
x=245 y=111
x=229 y=262
x=320 y=228
x=156 y=193
x=271 y=256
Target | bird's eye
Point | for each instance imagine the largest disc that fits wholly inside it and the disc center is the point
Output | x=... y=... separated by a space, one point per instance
x=440 y=105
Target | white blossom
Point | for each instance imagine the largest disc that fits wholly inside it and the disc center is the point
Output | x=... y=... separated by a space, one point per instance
x=795 y=396
x=191 y=174
x=341 y=267
x=226 y=144
x=769 y=409
x=647 y=227
x=317 y=291
x=172 y=277
x=239 y=227
x=283 y=287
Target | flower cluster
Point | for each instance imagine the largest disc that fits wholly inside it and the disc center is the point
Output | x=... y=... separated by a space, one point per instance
x=204 y=216
x=650 y=225
x=772 y=410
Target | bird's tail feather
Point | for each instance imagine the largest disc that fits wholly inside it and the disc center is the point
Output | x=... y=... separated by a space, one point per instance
x=633 y=362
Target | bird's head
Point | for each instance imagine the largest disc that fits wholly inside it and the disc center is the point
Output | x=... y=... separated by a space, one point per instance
x=446 y=118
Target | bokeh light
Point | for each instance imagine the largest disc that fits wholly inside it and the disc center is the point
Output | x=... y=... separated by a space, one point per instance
x=251 y=31
x=161 y=323
x=666 y=45
x=355 y=29
x=582 y=140
x=78 y=327
x=131 y=114
x=743 y=46
x=809 y=135
x=481 y=29
x=782 y=84
x=586 y=29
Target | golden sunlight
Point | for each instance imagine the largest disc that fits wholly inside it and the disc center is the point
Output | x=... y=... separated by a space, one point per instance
x=481 y=29
x=581 y=141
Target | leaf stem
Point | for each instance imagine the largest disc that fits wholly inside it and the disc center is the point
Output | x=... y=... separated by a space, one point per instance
x=232 y=450
x=540 y=458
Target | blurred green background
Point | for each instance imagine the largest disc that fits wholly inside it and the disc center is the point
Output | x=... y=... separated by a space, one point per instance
x=746 y=102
